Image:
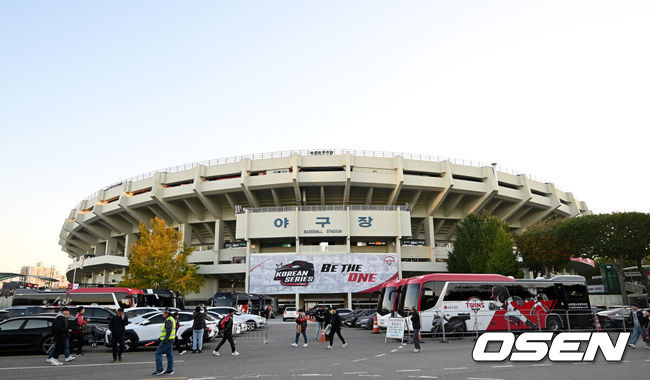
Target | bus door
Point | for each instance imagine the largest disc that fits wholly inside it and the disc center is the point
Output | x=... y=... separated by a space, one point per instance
x=429 y=294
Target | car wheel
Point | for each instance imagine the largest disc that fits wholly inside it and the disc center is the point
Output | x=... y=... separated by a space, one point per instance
x=251 y=325
x=47 y=344
x=553 y=323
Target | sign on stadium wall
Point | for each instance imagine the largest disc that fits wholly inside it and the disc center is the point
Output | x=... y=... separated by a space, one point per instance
x=322 y=273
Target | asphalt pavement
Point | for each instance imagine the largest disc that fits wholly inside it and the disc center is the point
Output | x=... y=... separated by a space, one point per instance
x=366 y=355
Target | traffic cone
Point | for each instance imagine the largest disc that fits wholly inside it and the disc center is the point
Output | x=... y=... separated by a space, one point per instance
x=375 y=326
x=322 y=336
x=598 y=327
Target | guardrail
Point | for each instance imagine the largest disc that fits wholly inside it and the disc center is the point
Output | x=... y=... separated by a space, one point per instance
x=255 y=210
x=308 y=152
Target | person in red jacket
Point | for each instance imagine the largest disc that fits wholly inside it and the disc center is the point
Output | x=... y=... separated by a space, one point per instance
x=78 y=332
x=301 y=328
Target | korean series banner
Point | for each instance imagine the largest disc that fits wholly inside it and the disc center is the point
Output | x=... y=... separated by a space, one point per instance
x=322 y=273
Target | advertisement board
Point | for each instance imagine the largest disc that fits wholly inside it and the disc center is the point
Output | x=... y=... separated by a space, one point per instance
x=326 y=273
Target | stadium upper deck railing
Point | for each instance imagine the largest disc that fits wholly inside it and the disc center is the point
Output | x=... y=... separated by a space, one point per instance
x=309 y=152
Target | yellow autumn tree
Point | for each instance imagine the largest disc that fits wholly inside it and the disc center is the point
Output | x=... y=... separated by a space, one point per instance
x=158 y=260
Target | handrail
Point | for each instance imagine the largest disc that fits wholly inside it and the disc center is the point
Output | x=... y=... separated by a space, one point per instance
x=307 y=152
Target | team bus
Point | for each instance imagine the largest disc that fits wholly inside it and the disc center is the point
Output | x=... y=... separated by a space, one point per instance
x=161 y=298
x=35 y=297
x=245 y=302
x=388 y=303
x=491 y=302
x=113 y=298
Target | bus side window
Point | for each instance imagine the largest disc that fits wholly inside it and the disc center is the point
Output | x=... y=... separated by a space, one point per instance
x=430 y=294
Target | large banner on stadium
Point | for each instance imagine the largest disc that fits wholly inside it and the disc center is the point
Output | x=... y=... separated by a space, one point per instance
x=321 y=273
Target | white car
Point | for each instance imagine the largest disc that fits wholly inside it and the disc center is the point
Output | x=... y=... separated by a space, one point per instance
x=147 y=329
x=252 y=321
x=141 y=310
x=290 y=313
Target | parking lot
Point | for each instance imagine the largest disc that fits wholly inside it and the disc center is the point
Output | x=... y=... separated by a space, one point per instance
x=366 y=356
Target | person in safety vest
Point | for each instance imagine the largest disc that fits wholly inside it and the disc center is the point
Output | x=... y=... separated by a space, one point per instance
x=166 y=346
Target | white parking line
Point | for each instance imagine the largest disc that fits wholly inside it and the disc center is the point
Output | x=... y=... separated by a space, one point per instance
x=380 y=355
x=503 y=366
x=312 y=374
x=395 y=350
x=358 y=360
x=81 y=365
x=354 y=373
x=422 y=377
x=541 y=365
x=481 y=378
x=407 y=370
x=454 y=368
x=369 y=375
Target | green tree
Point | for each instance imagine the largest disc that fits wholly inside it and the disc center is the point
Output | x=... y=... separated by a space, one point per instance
x=542 y=249
x=158 y=260
x=483 y=245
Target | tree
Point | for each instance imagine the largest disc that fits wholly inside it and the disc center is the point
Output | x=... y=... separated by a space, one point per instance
x=542 y=249
x=618 y=237
x=158 y=260
x=483 y=245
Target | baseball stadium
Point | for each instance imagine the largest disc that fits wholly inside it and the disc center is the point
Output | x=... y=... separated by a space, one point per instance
x=270 y=223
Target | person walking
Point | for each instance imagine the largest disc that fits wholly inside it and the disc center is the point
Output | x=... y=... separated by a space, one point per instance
x=60 y=331
x=116 y=325
x=335 y=321
x=415 y=322
x=78 y=331
x=166 y=346
x=320 y=319
x=226 y=326
x=178 y=343
x=198 y=328
x=301 y=328
x=328 y=317
x=640 y=323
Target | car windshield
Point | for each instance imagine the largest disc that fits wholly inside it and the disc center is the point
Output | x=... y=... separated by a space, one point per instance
x=290 y=309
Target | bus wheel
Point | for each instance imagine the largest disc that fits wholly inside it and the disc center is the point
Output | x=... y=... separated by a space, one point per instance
x=553 y=323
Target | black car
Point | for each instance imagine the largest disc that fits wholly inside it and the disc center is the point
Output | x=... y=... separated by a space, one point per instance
x=28 y=333
x=613 y=319
x=351 y=320
x=21 y=311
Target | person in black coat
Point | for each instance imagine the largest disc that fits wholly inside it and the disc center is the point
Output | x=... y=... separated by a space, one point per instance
x=198 y=328
x=415 y=322
x=116 y=324
x=60 y=331
x=335 y=321
x=328 y=317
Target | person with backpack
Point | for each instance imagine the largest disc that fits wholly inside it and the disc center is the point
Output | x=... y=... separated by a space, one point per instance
x=60 y=331
x=225 y=325
x=335 y=321
x=301 y=328
x=198 y=328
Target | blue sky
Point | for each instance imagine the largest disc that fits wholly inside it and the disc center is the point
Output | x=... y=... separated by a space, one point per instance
x=92 y=92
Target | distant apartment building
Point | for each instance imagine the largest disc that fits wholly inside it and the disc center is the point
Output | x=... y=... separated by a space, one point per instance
x=34 y=273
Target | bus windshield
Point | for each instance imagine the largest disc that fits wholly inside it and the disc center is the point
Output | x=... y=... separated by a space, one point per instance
x=387 y=301
x=412 y=297
x=223 y=300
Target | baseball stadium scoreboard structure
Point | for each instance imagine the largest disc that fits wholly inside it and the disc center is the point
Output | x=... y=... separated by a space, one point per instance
x=319 y=223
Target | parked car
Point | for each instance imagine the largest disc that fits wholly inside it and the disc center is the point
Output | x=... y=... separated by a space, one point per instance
x=365 y=321
x=252 y=321
x=148 y=330
x=352 y=319
x=27 y=333
x=141 y=310
x=613 y=319
x=290 y=313
x=21 y=311
x=343 y=311
x=311 y=312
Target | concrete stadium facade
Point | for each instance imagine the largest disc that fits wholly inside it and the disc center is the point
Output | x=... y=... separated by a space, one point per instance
x=205 y=200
